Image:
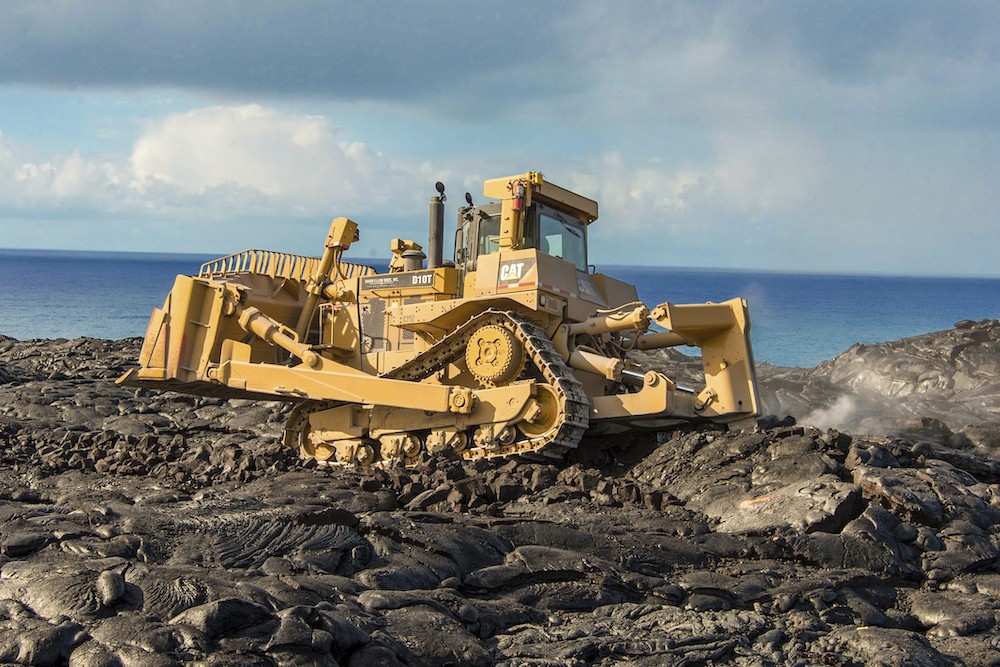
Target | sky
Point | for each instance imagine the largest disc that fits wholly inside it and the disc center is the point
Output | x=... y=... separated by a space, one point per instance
x=856 y=137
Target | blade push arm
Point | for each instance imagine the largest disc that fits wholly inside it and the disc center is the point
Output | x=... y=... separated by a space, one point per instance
x=722 y=331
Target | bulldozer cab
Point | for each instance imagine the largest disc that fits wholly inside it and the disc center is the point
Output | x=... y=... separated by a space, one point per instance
x=547 y=229
x=554 y=223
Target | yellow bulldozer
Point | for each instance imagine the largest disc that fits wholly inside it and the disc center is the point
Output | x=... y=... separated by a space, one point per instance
x=517 y=347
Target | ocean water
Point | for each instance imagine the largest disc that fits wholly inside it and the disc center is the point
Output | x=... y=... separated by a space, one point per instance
x=802 y=319
x=797 y=319
x=65 y=294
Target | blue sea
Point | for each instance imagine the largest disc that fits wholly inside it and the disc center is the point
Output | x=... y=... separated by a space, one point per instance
x=797 y=319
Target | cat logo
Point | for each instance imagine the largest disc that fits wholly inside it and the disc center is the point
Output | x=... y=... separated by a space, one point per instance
x=585 y=287
x=512 y=271
x=517 y=273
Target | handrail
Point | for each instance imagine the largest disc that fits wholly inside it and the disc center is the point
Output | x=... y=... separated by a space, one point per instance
x=276 y=265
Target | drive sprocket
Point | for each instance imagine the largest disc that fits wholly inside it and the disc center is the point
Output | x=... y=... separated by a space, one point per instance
x=494 y=355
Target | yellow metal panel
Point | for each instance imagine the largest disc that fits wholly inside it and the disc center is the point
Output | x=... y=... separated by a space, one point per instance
x=615 y=291
x=154 y=347
x=341 y=332
x=487 y=268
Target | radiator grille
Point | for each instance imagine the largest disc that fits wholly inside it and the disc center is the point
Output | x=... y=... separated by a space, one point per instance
x=373 y=325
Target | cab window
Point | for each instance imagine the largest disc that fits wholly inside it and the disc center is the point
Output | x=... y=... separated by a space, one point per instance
x=562 y=237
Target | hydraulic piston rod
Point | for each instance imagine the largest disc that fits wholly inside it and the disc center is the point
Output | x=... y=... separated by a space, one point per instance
x=617 y=321
x=256 y=322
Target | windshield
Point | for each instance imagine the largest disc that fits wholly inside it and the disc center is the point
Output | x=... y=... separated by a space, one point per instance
x=562 y=239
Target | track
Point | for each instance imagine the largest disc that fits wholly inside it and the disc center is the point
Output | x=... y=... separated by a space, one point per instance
x=567 y=401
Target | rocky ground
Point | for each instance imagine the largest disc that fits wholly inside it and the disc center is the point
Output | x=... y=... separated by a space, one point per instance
x=157 y=529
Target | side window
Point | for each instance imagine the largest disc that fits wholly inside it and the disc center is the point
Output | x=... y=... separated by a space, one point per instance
x=530 y=230
x=489 y=234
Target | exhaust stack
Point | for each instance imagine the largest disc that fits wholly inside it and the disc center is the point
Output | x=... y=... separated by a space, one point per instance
x=435 y=236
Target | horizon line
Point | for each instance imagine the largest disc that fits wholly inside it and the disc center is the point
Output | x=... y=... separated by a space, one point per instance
x=610 y=265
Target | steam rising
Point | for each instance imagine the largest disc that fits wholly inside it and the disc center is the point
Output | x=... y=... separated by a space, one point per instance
x=843 y=412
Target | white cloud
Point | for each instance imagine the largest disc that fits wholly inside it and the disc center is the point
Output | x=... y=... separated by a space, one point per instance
x=292 y=162
x=218 y=162
x=633 y=193
x=69 y=178
x=768 y=172
x=32 y=182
